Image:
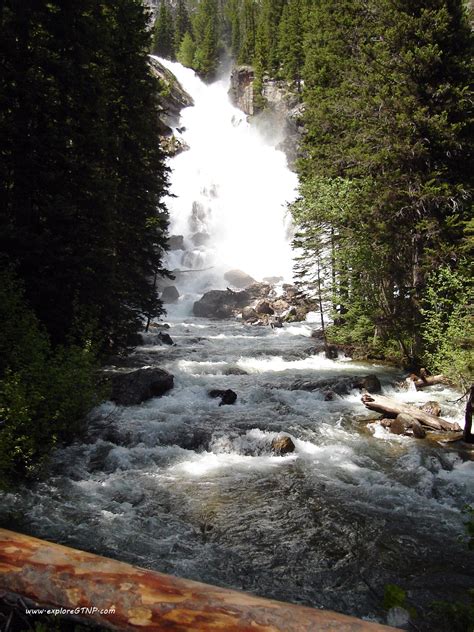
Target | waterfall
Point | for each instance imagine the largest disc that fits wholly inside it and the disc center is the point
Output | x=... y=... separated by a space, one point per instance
x=231 y=189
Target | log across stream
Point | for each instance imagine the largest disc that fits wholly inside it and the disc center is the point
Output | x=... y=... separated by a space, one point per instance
x=187 y=487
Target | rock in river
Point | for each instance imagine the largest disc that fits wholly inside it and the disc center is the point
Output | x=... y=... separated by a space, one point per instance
x=228 y=396
x=282 y=445
x=134 y=387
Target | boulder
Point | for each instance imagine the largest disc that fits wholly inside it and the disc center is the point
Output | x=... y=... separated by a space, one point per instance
x=264 y=307
x=249 y=314
x=239 y=279
x=276 y=322
x=282 y=445
x=369 y=383
x=280 y=305
x=418 y=431
x=227 y=396
x=401 y=424
x=134 y=387
x=170 y=294
x=234 y=370
x=165 y=339
x=176 y=242
x=331 y=352
x=241 y=88
x=220 y=303
x=385 y=422
x=259 y=290
x=432 y=408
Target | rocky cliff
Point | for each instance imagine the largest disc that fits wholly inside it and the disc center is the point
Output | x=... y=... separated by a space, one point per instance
x=282 y=106
x=173 y=99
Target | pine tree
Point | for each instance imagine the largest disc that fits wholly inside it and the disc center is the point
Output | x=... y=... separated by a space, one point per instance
x=164 y=33
x=206 y=36
x=291 y=42
x=248 y=31
x=187 y=51
x=182 y=24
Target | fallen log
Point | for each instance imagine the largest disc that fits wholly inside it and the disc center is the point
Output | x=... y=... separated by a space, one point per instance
x=392 y=407
x=428 y=380
x=123 y=597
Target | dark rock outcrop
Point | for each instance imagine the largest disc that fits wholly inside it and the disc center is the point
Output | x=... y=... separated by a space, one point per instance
x=228 y=397
x=369 y=383
x=249 y=314
x=175 y=97
x=170 y=294
x=220 y=303
x=282 y=445
x=134 y=387
x=336 y=385
x=264 y=307
x=165 y=339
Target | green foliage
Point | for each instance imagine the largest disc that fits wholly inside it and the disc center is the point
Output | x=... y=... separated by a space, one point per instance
x=164 y=33
x=448 y=325
x=45 y=393
x=187 y=51
x=206 y=36
x=394 y=596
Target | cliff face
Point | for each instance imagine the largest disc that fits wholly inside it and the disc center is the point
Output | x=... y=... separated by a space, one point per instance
x=173 y=98
x=282 y=107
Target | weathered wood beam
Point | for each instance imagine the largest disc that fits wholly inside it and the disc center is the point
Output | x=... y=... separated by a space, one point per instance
x=58 y=576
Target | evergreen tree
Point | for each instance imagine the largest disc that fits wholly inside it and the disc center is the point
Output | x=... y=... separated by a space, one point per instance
x=164 y=32
x=182 y=24
x=291 y=42
x=187 y=51
x=248 y=30
x=206 y=36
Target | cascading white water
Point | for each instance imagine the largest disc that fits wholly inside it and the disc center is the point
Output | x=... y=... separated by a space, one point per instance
x=232 y=187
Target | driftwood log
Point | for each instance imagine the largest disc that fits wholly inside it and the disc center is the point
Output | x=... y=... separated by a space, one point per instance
x=139 y=599
x=391 y=408
x=423 y=379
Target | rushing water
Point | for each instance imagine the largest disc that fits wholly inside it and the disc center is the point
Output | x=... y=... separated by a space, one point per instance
x=184 y=486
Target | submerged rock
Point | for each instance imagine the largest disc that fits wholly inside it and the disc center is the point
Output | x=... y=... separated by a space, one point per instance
x=134 y=387
x=166 y=339
x=283 y=445
x=228 y=397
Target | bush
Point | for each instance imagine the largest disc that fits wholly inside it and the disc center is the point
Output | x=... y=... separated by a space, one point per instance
x=45 y=392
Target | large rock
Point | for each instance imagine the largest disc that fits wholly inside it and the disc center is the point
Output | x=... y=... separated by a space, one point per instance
x=170 y=294
x=239 y=279
x=227 y=397
x=220 y=303
x=369 y=383
x=241 y=88
x=249 y=314
x=135 y=387
x=264 y=307
x=282 y=445
x=173 y=99
x=401 y=424
x=340 y=385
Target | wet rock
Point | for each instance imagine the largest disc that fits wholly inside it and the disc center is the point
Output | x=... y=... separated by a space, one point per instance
x=329 y=396
x=276 y=322
x=432 y=408
x=241 y=88
x=398 y=617
x=283 y=445
x=228 y=396
x=165 y=338
x=418 y=431
x=249 y=314
x=331 y=352
x=264 y=307
x=239 y=279
x=200 y=239
x=280 y=305
x=176 y=242
x=134 y=387
x=159 y=326
x=369 y=383
x=170 y=294
x=401 y=424
x=386 y=423
x=234 y=370
x=175 y=99
x=220 y=303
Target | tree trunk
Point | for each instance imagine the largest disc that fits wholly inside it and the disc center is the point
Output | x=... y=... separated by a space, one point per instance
x=391 y=407
x=468 y=436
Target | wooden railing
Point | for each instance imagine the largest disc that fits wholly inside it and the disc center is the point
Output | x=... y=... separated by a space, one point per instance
x=124 y=597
